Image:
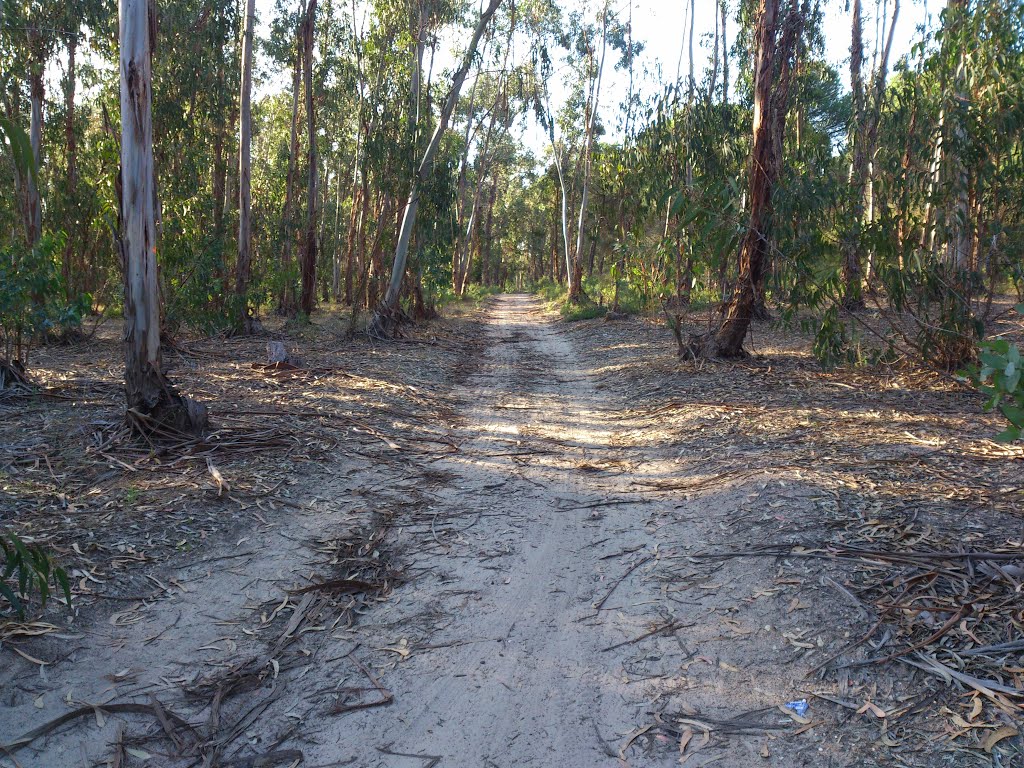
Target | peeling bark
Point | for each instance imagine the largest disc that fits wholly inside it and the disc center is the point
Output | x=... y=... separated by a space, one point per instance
x=776 y=42
x=153 y=405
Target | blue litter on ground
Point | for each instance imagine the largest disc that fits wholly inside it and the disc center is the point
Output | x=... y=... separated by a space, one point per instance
x=800 y=706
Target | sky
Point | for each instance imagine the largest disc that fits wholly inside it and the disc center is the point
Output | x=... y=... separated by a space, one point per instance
x=662 y=26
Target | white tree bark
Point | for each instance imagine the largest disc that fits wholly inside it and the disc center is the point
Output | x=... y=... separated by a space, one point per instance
x=143 y=378
x=587 y=156
x=153 y=404
x=561 y=184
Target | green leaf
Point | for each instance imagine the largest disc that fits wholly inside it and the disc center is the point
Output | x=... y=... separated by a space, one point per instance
x=1008 y=435
x=12 y=598
x=21 y=146
x=1013 y=414
x=999 y=346
x=993 y=361
x=62 y=580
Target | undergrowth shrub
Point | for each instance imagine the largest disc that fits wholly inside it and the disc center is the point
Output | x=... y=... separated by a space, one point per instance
x=32 y=297
x=24 y=569
x=998 y=376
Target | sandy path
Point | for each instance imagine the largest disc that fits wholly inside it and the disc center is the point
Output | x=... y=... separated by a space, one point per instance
x=538 y=622
x=517 y=676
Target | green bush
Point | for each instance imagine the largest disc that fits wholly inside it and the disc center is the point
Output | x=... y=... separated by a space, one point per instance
x=999 y=377
x=550 y=290
x=27 y=568
x=588 y=311
x=32 y=303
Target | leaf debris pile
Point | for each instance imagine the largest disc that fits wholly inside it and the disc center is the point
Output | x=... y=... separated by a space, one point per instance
x=884 y=519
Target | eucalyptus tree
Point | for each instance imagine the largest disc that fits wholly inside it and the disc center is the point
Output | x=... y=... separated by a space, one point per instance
x=596 y=62
x=243 y=265
x=308 y=266
x=38 y=45
x=504 y=106
x=777 y=34
x=867 y=105
x=586 y=41
x=285 y=48
x=153 y=405
x=71 y=204
x=501 y=100
x=385 y=315
x=950 y=142
x=548 y=121
x=458 y=258
x=29 y=30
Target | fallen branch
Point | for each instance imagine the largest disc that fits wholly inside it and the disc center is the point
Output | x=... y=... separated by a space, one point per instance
x=267 y=759
x=637 y=564
x=671 y=627
x=125 y=708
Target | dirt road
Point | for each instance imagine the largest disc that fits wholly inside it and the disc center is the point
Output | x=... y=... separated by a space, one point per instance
x=547 y=611
x=518 y=672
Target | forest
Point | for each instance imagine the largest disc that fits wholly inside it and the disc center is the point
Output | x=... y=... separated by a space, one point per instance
x=515 y=382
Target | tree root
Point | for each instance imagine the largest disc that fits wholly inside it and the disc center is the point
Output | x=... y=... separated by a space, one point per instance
x=705 y=346
x=386 y=323
x=580 y=298
x=173 y=417
x=250 y=326
x=13 y=376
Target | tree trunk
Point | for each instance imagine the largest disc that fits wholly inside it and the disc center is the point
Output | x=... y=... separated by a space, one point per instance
x=488 y=254
x=243 y=266
x=871 y=134
x=309 y=246
x=153 y=406
x=725 y=59
x=385 y=317
x=336 y=243
x=576 y=290
x=462 y=241
x=34 y=214
x=554 y=273
x=458 y=282
x=360 y=200
x=713 y=80
x=557 y=159
x=853 y=299
x=569 y=272
x=286 y=301
x=230 y=170
x=772 y=75
x=220 y=128
x=71 y=174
